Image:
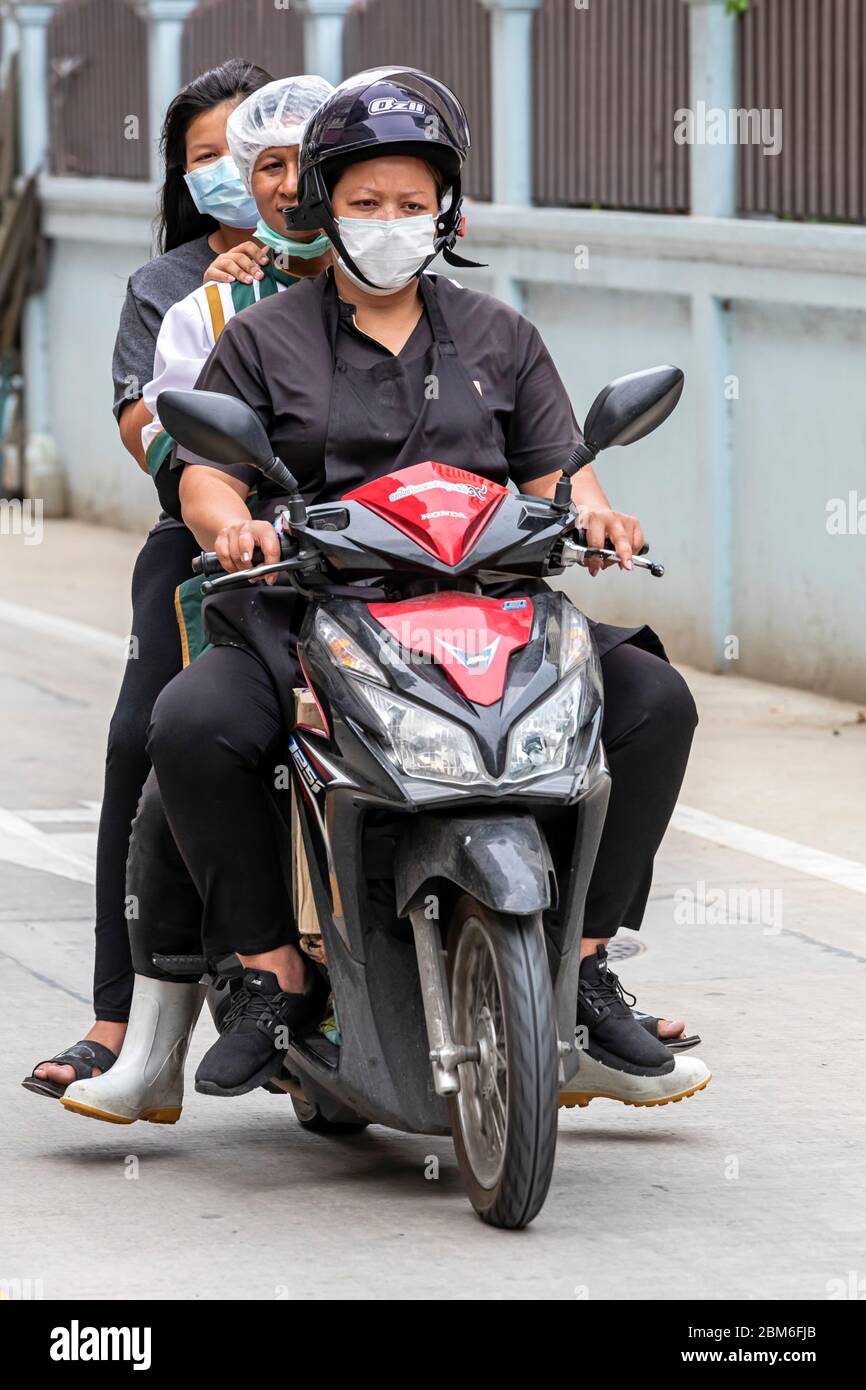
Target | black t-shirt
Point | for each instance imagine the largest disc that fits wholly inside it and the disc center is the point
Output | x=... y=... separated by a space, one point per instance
x=266 y=357
x=150 y=293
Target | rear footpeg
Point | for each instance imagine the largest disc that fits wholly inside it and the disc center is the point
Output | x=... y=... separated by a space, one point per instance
x=227 y=968
x=180 y=965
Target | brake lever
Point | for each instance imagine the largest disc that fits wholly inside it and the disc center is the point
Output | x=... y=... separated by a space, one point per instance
x=579 y=554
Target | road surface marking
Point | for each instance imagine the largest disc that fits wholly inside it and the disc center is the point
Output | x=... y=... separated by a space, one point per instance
x=49 y=625
x=74 y=855
x=85 y=813
x=22 y=843
x=846 y=873
x=27 y=846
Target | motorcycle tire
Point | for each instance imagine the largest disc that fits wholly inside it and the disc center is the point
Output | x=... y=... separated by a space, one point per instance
x=311 y=1118
x=504 y=1118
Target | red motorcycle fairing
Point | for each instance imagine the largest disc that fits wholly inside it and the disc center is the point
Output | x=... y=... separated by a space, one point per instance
x=440 y=508
x=470 y=638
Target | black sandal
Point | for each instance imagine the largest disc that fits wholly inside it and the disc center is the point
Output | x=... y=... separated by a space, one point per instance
x=82 y=1057
x=651 y=1024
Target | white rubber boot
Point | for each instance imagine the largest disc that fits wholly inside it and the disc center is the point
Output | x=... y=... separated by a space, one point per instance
x=146 y=1081
x=595 y=1081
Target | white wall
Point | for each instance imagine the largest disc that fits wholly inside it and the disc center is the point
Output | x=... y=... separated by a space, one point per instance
x=100 y=232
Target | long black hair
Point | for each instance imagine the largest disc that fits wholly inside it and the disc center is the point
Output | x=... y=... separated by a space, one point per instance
x=179 y=220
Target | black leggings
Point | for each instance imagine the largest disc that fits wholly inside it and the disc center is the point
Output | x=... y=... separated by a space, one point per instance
x=216 y=733
x=163 y=563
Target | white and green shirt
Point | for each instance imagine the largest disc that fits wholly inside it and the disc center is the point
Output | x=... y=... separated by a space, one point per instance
x=189 y=332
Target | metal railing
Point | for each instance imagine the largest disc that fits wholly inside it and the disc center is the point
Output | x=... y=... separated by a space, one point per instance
x=455 y=46
x=607 y=82
x=252 y=29
x=807 y=59
x=97 y=71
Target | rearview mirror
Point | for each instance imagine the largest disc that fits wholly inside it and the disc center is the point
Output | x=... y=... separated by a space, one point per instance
x=632 y=406
x=218 y=427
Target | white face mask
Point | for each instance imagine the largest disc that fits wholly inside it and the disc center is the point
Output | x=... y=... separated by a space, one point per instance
x=389 y=253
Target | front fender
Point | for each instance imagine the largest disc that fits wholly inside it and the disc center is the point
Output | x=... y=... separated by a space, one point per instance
x=502 y=860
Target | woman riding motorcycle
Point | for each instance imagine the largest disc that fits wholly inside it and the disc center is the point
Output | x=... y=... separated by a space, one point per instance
x=205 y=212
x=368 y=368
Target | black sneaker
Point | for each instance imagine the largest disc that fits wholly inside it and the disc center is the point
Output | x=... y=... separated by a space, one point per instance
x=254 y=1029
x=613 y=1034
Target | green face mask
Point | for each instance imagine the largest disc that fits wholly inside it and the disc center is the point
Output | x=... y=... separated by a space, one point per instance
x=304 y=250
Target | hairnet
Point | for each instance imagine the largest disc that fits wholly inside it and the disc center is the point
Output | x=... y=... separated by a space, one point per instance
x=275 y=115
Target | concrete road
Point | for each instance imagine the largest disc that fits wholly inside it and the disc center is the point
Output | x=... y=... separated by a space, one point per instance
x=755 y=934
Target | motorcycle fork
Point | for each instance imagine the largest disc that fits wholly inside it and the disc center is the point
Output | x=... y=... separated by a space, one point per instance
x=446 y=1055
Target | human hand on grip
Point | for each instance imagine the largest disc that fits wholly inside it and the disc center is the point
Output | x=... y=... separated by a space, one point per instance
x=236 y=542
x=610 y=530
x=243 y=262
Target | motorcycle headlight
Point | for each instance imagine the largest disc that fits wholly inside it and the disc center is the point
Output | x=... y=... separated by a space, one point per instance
x=344 y=650
x=543 y=740
x=421 y=743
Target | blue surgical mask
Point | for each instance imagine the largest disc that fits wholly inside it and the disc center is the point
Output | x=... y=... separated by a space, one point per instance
x=304 y=250
x=217 y=191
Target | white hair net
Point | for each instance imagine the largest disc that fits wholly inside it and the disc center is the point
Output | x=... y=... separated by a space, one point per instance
x=275 y=115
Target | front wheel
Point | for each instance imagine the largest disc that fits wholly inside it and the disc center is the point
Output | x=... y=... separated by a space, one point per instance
x=504 y=1118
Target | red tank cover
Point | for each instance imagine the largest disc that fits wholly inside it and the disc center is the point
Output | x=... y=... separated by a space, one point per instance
x=442 y=509
x=470 y=638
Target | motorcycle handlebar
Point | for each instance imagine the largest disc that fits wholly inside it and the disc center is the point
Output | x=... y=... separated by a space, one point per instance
x=207 y=563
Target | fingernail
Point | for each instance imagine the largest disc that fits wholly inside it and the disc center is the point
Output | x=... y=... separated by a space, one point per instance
x=629 y=565
x=246 y=555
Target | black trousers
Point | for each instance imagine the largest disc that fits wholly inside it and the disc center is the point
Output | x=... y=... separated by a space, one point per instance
x=216 y=735
x=163 y=563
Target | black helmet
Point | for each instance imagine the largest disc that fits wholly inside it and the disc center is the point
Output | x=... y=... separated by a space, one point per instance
x=406 y=110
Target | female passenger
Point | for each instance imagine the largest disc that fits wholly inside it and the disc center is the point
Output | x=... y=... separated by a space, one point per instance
x=205 y=211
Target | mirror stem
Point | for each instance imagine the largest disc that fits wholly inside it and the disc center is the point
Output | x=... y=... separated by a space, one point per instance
x=582 y=454
x=297 y=510
x=279 y=474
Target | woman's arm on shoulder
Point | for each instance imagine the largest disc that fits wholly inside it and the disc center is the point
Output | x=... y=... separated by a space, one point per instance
x=243 y=262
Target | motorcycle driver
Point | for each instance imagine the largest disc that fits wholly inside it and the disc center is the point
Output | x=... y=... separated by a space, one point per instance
x=340 y=373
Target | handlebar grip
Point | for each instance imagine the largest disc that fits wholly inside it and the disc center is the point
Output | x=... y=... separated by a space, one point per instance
x=579 y=535
x=208 y=563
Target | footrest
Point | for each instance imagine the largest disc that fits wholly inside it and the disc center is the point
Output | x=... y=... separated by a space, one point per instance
x=181 y=965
